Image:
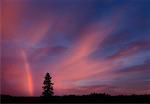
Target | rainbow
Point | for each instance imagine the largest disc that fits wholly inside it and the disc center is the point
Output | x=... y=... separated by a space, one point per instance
x=28 y=73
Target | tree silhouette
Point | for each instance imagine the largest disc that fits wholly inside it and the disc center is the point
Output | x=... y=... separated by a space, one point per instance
x=48 y=86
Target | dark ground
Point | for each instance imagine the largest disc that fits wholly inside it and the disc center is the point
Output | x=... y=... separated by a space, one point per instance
x=94 y=98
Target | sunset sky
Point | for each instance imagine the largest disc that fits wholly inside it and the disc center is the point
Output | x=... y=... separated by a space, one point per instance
x=87 y=46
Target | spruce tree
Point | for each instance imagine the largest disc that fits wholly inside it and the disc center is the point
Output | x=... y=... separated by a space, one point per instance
x=48 y=86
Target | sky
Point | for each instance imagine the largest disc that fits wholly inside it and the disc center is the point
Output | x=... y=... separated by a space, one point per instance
x=87 y=46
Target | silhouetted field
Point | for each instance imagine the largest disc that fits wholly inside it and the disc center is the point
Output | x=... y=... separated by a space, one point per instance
x=93 y=98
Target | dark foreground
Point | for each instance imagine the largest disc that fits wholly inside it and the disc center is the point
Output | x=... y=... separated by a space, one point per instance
x=78 y=99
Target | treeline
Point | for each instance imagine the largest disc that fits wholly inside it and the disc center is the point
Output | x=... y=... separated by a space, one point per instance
x=91 y=98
